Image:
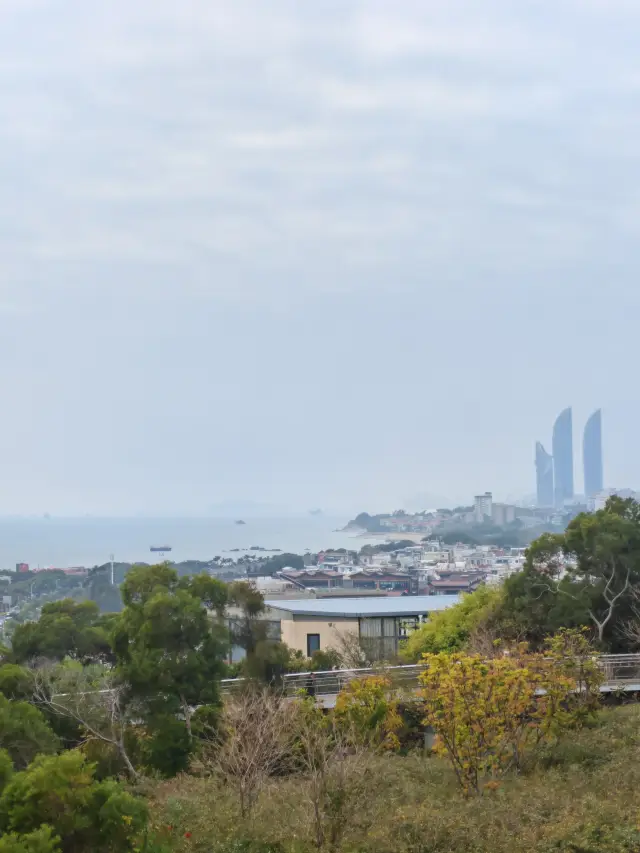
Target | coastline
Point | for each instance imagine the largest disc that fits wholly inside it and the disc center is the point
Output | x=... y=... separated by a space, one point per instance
x=386 y=537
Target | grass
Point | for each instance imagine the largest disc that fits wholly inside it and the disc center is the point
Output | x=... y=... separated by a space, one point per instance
x=582 y=795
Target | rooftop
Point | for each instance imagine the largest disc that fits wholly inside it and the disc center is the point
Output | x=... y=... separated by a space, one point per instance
x=408 y=605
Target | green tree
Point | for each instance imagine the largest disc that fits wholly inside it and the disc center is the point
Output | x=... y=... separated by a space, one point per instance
x=61 y=793
x=600 y=553
x=39 y=841
x=15 y=681
x=170 y=650
x=65 y=629
x=533 y=608
x=449 y=630
x=24 y=732
x=282 y=561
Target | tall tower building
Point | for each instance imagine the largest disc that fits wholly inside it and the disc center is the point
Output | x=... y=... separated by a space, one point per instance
x=592 y=455
x=544 y=476
x=563 y=457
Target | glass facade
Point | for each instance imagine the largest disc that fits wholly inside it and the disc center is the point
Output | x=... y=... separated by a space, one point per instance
x=563 y=458
x=592 y=455
x=544 y=476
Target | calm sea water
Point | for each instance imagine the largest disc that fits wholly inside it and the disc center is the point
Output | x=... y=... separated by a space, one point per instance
x=64 y=542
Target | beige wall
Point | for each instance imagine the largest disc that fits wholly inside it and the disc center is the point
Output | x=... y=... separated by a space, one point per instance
x=295 y=630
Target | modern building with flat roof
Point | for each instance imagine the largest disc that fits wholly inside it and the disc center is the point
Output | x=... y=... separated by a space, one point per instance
x=378 y=623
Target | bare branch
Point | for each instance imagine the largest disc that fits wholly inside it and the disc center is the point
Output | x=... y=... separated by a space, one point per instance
x=255 y=738
x=90 y=697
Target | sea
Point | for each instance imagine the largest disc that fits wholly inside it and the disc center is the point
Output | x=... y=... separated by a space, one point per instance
x=51 y=542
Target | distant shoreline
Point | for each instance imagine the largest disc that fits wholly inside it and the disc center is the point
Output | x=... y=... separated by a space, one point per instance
x=412 y=537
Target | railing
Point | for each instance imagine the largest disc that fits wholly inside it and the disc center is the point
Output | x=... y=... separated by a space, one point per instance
x=620 y=672
x=332 y=681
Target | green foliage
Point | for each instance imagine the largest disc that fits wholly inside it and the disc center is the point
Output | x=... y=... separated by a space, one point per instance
x=24 y=732
x=248 y=629
x=15 y=681
x=323 y=660
x=601 y=555
x=65 y=629
x=6 y=769
x=166 y=746
x=449 y=630
x=60 y=793
x=39 y=841
x=168 y=649
x=282 y=561
x=170 y=652
x=533 y=607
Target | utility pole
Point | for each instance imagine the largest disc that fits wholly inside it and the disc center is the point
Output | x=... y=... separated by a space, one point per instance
x=112 y=578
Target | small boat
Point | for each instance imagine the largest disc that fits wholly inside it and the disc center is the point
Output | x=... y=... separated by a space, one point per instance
x=160 y=548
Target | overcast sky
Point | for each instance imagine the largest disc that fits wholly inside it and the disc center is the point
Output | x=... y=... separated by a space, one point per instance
x=331 y=253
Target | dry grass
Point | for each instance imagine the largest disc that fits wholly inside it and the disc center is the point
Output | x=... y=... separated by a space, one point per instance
x=582 y=796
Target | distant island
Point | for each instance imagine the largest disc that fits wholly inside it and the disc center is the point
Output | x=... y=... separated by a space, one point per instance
x=315 y=512
x=488 y=523
x=240 y=521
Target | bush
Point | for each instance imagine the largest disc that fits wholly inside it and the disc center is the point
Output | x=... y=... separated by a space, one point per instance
x=40 y=841
x=24 y=732
x=60 y=793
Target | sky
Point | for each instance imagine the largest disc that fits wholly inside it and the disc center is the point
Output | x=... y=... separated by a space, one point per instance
x=347 y=254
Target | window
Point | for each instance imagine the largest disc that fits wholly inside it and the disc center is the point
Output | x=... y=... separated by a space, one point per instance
x=313 y=644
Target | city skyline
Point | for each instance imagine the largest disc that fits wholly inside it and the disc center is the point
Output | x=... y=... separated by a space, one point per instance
x=555 y=483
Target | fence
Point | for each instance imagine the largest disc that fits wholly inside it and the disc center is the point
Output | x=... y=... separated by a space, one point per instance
x=621 y=672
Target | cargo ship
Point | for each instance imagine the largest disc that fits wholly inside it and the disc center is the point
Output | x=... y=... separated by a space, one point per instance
x=160 y=548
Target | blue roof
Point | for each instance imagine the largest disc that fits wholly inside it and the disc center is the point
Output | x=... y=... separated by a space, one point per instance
x=404 y=605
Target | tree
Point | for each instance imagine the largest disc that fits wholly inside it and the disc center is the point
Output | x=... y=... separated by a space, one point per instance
x=366 y=710
x=60 y=793
x=169 y=650
x=450 y=630
x=24 y=732
x=16 y=682
x=255 y=738
x=39 y=841
x=250 y=602
x=95 y=699
x=282 y=561
x=488 y=714
x=600 y=553
x=65 y=629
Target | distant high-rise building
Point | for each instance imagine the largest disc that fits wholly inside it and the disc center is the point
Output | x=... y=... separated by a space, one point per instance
x=563 y=457
x=544 y=476
x=592 y=455
x=482 y=507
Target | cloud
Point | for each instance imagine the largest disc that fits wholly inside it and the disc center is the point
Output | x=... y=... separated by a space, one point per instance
x=363 y=237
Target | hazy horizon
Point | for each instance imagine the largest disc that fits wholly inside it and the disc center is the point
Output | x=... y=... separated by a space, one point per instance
x=312 y=255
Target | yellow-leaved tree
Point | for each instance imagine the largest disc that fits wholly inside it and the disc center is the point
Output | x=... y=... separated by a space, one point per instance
x=366 y=708
x=488 y=714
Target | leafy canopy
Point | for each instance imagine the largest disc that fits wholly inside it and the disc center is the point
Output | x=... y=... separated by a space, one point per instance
x=449 y=630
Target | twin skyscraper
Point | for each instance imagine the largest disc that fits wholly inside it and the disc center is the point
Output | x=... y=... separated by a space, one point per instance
x=554 y=472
